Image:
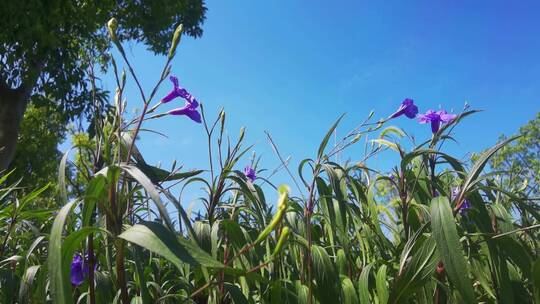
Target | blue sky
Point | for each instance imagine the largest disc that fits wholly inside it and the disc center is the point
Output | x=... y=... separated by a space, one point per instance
x=292 y=67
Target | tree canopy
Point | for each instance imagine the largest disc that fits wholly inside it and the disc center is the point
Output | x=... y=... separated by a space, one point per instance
x=521 y=159
x=47 y=47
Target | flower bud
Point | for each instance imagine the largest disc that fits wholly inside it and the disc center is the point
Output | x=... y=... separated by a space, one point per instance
x=282 y=208
x=175 y=40
x=282 y=239
x=242 y=132
x=222 y=118
x=123 y=79
x=112 y=26
x=117 y=101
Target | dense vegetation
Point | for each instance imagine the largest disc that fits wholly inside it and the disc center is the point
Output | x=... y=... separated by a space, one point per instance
x=435 y=229
x=47 y=47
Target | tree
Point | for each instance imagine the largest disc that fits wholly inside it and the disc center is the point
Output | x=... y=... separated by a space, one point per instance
x=36 y=159
x=521 y=159
x=46 y=47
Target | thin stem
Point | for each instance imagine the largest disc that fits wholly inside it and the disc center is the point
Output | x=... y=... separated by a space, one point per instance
x=209 y=140
x=307 y=212
x=91 y=287
x=6 y=238
x=283 y=163
x=121 y=271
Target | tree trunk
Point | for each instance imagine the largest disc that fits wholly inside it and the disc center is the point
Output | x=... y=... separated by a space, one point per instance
x=12 y=106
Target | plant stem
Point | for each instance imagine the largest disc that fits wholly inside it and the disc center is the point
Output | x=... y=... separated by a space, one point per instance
x=404 y=205
x=121 y=271
x=307 y=213
x=91 y=287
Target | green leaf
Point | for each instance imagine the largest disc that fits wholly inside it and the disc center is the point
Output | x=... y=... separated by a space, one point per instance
x=348 y=295
x=387 y=143
x=392 y=130
x=363 y=284
x=327 y=138
x=62 y=178
x=479 y=166
x=325 y=275
x=137 y=174
x=158 y=239
x=536 y=280
x=302 y=293
x=456 y=164
x=95 y=190
x=26 y=283
x=382 y=289
x=235 y=293
x=158 y=175
x=75 y=239
x=58 y=271
x=449 y=247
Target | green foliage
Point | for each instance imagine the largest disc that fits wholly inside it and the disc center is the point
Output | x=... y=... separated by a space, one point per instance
x=448 y=246
x=50 y=49
x=521 y=160
x=59 y=40
x=37 y=156
x=347 y=234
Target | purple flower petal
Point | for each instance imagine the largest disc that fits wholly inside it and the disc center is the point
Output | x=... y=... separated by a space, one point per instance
x=249 y=172
x=435 y=118
x=422 y=118
x=407 y=107
x=187 y=110
x=464 y=208
x=435 y=124
x=174 y=80
x=465 y=205
x=455 y=192
x=77 y=272
x=172 y=95
x=178 y=91
x=447 y=117
x=411 y=111
x=194 y=115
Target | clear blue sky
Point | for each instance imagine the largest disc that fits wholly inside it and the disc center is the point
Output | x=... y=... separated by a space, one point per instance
x=292 y=67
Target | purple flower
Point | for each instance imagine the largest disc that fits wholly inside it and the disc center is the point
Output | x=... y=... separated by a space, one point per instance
x=79 y=269
x=407 y=107
x=435 y=118
x=178 y=91
x=465 y=205
x=249 y=172
x=190 y=108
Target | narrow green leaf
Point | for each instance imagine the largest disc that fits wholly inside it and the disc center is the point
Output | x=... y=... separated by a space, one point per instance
x=327 y=138
x=62 y=178
x=536 y=280
x=387 y=143
x=380 y=283
x=137 y=174
x=58 y=272
x=479 y=166
x=363 y=284
x=348 y=293
x=26 y=283
x=158 y=239
x=392 y=130
x=235 y=293
x=449 y=247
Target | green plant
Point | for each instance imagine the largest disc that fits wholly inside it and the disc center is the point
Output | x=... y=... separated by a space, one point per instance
x=433 y=230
